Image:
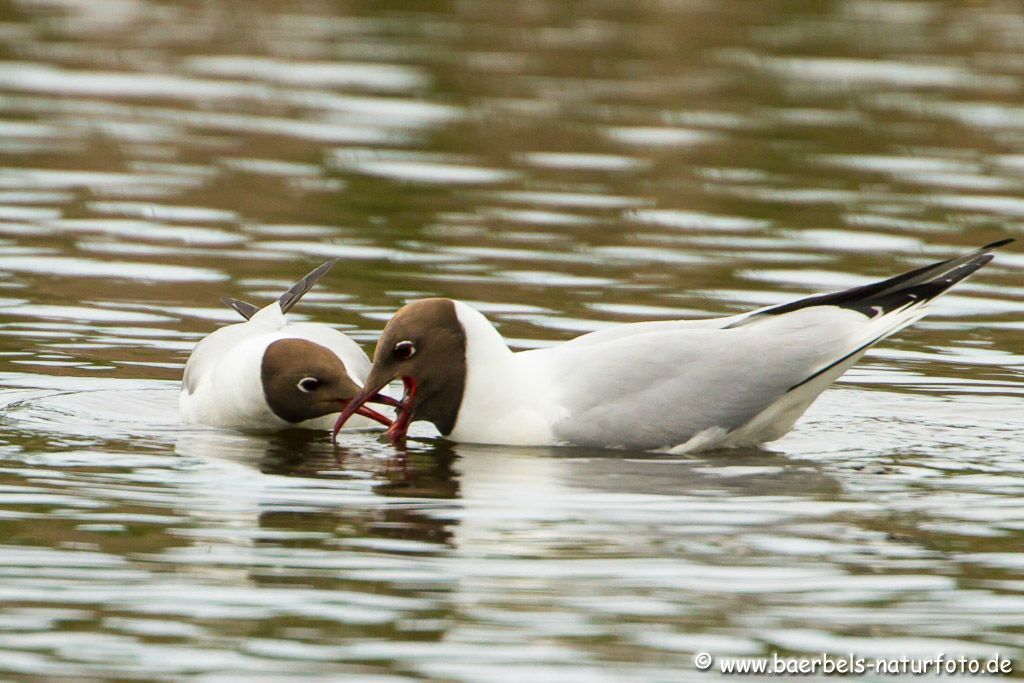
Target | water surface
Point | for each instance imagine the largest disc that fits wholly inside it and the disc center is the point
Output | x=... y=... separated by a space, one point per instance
x=563 y=167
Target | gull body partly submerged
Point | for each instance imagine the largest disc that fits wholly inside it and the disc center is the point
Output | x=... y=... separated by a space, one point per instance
x=676 y=385
x=268 y=374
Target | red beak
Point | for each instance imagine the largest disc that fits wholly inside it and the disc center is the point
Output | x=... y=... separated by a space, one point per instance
x=357 y=406
x=403 y=413
x=366 y=411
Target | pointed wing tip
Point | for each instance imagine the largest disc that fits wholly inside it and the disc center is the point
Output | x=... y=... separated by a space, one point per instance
x=998 y=243
x=322 y=269
x=243 y=308
x=288 y=300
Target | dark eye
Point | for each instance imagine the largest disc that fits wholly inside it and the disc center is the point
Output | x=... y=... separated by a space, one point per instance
x=308 y=384
x=404 y=350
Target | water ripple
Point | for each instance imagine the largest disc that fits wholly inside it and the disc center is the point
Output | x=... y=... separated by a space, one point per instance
x=561 y=172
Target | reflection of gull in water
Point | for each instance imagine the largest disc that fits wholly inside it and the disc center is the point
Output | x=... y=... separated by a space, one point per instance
x=227 y=446
x=236 y=473
x=552 y=477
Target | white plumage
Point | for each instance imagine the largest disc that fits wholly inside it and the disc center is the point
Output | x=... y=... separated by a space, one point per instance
x=221 y=385
x=686 y=385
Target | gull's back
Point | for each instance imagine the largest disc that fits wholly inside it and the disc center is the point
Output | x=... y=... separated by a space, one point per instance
x=735 y=381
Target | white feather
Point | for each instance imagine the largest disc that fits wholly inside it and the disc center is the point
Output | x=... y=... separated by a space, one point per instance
x=505 y=400
x=221 y=386
x=671 y=385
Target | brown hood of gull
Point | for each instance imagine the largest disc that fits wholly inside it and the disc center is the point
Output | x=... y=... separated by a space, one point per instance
x=289 y=362
x=434 y=374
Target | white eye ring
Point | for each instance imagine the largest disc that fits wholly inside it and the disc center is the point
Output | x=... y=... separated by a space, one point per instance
x=404 y=350
x=307 y=384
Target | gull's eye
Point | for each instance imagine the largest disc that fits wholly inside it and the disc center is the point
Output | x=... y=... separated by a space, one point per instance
x=404 y=350
x=308 y=384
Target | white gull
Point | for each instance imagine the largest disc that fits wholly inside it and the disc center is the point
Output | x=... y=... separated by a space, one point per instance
x=268 y=374
x=677 y=385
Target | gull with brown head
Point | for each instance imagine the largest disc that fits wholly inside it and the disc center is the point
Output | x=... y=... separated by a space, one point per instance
x=677 y=385
x=269 y=374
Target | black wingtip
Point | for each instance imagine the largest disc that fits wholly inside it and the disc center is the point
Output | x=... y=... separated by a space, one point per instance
x=913 y=288
x=998 y=243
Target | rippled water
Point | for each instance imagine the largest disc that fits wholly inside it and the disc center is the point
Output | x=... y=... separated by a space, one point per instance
x=561 y=166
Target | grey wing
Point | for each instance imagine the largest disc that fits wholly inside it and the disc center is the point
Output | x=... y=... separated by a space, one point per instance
x=243 y=308
x=299 y=289
x=287 y=300
x=633 y=329
x=658 y=384
x=660 y=389
x=914 y=288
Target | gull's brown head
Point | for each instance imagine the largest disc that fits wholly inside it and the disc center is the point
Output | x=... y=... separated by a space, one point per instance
x=424 y=345
x=303 y=380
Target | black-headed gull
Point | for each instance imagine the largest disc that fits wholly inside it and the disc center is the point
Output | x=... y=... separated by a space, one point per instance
x=269 y=374
x=675 y=385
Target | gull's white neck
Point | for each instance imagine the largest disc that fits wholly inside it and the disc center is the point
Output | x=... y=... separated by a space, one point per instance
x=505 y=399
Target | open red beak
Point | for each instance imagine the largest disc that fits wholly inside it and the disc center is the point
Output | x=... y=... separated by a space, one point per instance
x=357 y=406
x=369 y=412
